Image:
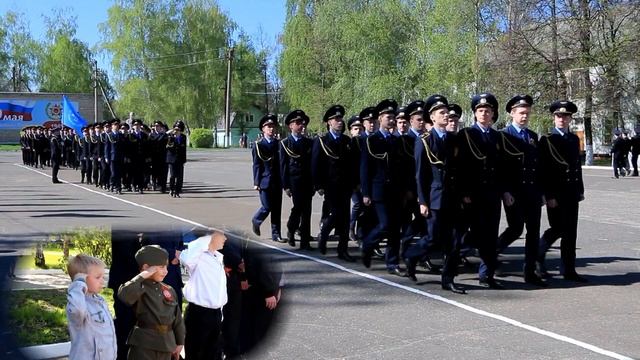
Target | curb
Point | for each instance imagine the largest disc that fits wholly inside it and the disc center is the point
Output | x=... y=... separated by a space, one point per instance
x=48 y=351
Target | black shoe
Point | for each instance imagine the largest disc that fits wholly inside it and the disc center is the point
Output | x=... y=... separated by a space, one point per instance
x=322 y=246
x=56 y=181
x=491 y=284
x=541 y=270
x=533 y=279
x=453 y=288
x=430 y=267
x=352 y=235
x=411 y=269
x=366 y=259
x=254 y=227
x=378 y=253
x=291 y=238
x=278 y=238
x=344 y=255
x=575 y=277
x=396 y=271
x=177 y=195
x=305 y=246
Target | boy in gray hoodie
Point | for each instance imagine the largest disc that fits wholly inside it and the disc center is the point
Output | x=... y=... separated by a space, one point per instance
x=93 y=335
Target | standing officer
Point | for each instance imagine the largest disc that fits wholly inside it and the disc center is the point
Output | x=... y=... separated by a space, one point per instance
x=480 y=183
x=618 y=152
x=87 y=164
x=563 y=188
x=332 y=173
x=380 y=176
x=295 y=170
x=522 y=198
x=266 y=178
x=56 y=155
x=435 y=156
x=176 y=158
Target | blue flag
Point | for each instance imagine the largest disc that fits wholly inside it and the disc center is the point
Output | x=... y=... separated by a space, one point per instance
x=70 y=116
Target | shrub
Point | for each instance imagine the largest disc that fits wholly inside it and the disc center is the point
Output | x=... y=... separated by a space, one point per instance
x=91 y=241
x=201 y=138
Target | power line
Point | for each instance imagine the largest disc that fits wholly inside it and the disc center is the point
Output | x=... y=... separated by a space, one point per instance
x=178 y=54
x=177 y=66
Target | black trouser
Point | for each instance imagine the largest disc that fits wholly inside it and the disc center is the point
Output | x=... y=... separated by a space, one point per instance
x=105 y=173
x=300 y=217
x=160 y=175
x=176 y=171
x=203 y=326
x=123 y=322
x=439 y=234
x=95 y=170
x=337 y=217
x=387 y=212
x=634 y=162
x=87 y=167
x=525 y=210
x=116 y=174
x=232 y=319
x=563 y=222
x=55 y=167
x=484 y=224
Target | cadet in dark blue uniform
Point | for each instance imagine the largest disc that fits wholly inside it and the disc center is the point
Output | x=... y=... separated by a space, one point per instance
x=86 y=155
x=266 y=178
x=356 y=130
x=176 y=158
x=332 y=173
x=295 y=170
x=56 y=155
x=380 y=179
x=435 y=156
x=105 y=170
x=522 y=198
x=96 y=150
x=480 y=179
x=116 y=156
x=563 y=189
x=139 y=155
x=159 y=156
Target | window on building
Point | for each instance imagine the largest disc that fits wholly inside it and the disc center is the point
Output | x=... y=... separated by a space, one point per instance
x=248 y=117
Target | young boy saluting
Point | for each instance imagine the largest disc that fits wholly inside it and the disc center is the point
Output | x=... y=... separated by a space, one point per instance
x=159 y=331
x=93 y=335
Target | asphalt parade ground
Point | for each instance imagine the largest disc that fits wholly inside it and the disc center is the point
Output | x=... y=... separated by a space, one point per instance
x=338 y=310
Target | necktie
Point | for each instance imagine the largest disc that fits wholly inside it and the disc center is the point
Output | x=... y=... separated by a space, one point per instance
x=523 y=135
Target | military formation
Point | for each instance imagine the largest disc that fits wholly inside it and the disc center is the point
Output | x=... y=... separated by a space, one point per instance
x=113 y=155
x=406 y=184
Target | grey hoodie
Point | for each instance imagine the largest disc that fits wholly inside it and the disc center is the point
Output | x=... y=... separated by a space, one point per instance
x=93 y=335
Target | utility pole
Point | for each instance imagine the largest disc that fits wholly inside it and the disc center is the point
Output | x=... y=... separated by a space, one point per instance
x=95 y=91
x=266 y=94
x=227 y=101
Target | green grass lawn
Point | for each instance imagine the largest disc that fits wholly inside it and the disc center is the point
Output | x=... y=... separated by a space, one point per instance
x=38 y=316
x=10 y=147
x=51 y=259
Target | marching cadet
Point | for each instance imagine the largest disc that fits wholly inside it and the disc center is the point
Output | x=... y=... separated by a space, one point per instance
x=117 y=144
x=24 y=146
x=94 y=136
x=159 y=141
x=332 y=173
x=368 y=117
x=413 y=222
x=176 y=158
x=380 y=176
x=295 y=171
x=40 y=141
x=139 y=153
x=86 y=145
x=56 y=156
x=618 y=157
x=635 y=150
x=455 y=113
x=127 y=171
x=563 y=189
x=266 y=177
x=522 y=198
x=356 y=131
x=159 y=332
x=435 y=177
x=105 y=171
x=402 y=125
x=480 y=183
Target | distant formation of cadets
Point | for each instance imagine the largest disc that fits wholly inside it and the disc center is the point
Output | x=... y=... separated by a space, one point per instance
x=112 y=155
x=416 y=182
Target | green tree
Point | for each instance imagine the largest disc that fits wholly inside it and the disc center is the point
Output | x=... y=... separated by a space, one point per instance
x=19 y=51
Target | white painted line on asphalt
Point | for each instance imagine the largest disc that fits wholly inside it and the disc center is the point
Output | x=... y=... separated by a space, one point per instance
x=457 y=304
